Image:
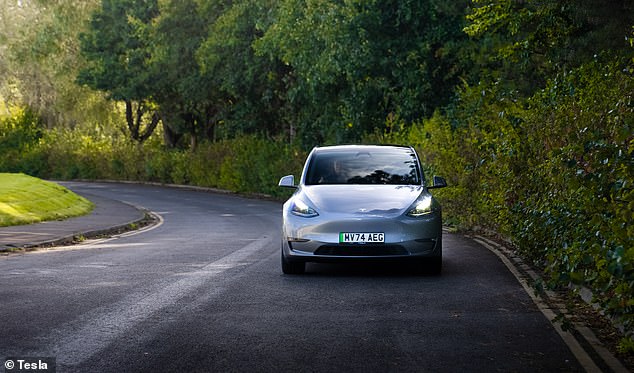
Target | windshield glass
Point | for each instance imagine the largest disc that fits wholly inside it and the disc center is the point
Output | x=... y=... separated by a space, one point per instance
x=355 y=166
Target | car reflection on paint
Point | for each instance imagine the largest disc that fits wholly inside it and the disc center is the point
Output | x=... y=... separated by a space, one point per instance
x=361 y=202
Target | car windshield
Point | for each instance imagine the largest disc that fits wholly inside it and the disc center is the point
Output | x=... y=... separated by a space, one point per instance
x=360 y=166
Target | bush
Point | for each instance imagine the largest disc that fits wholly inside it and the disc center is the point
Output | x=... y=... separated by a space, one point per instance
x=581 y=212
x=19 y=135
x=554 y=174
x=248 y=164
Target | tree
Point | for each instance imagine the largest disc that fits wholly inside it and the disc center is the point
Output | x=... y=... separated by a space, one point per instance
x=118 y=52
x=40 y=58
x=181 y=90
x=357 y=62
x=526 y=42
x=249 y=89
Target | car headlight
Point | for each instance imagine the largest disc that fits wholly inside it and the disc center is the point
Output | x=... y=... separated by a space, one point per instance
x=422 y=206
x=300 y=208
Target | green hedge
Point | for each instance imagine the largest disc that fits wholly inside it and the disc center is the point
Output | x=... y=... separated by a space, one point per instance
x=554 y=174
x=249 y=165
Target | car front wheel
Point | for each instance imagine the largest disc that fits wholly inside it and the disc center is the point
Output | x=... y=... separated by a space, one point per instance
x=292 y=268
x=434 y=265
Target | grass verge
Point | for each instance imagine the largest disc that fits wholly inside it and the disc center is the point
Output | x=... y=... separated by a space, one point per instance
x=25 y=200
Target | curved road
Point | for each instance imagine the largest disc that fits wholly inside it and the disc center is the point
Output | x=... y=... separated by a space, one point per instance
x=203 y=292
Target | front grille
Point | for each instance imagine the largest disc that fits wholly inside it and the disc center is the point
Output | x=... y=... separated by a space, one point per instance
x=361 y=250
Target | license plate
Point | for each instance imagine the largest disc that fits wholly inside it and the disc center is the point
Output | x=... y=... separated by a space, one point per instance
x=350 y=237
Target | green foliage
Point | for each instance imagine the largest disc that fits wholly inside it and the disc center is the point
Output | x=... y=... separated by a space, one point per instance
x=40 y=59
x=551 y=122
x=250 y=164
x=118 y=54
x=250 y=87
x=182 y=92
x=325 y=72
x=581 y=211
x=356 y=62
x=525 y=42
x=553 y=173
x=19 y=131
x=19 y=135
x=117 y=49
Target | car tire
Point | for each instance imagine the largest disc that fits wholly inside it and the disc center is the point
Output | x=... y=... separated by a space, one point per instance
x=292 y=268
x=434 y=265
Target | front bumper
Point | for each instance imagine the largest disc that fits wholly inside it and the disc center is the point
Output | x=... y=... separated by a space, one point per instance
x=317 y=239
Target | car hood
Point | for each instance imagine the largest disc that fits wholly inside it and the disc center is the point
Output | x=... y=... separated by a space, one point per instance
x=379 y=200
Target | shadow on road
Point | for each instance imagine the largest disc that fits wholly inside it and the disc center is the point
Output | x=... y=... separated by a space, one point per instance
x=370 y=269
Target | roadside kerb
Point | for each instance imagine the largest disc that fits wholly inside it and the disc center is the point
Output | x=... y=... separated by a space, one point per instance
x=583 y=343
x=147 y=218
x=196 y=188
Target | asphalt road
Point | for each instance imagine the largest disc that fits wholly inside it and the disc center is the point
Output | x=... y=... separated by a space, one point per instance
x=204 y=292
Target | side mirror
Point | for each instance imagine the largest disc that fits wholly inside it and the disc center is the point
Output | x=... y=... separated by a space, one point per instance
x=439 y=182
x=287 y=181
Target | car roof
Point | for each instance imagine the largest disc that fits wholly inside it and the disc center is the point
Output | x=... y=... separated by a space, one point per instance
x=334 y=148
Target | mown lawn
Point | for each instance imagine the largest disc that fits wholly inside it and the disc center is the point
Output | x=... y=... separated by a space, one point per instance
x=25 y=200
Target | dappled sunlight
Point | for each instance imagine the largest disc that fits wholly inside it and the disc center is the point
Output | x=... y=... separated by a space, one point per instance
x=25 y=199
x=8 y=209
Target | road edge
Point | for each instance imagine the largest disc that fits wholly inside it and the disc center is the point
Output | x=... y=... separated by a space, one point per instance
x=148 y=219
x=582 y=342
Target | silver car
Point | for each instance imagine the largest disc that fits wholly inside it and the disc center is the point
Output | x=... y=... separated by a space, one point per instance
x=361 y=202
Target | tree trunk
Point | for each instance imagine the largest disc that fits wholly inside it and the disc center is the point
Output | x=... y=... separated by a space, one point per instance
x=135 y=122
x=170 y=137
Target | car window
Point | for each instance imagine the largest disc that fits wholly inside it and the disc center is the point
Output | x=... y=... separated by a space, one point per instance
x=381 y=166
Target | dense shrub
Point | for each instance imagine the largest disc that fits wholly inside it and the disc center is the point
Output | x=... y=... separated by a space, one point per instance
x=19 y=138
x=250 y=164
x=554 y=174
x=579 y=217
